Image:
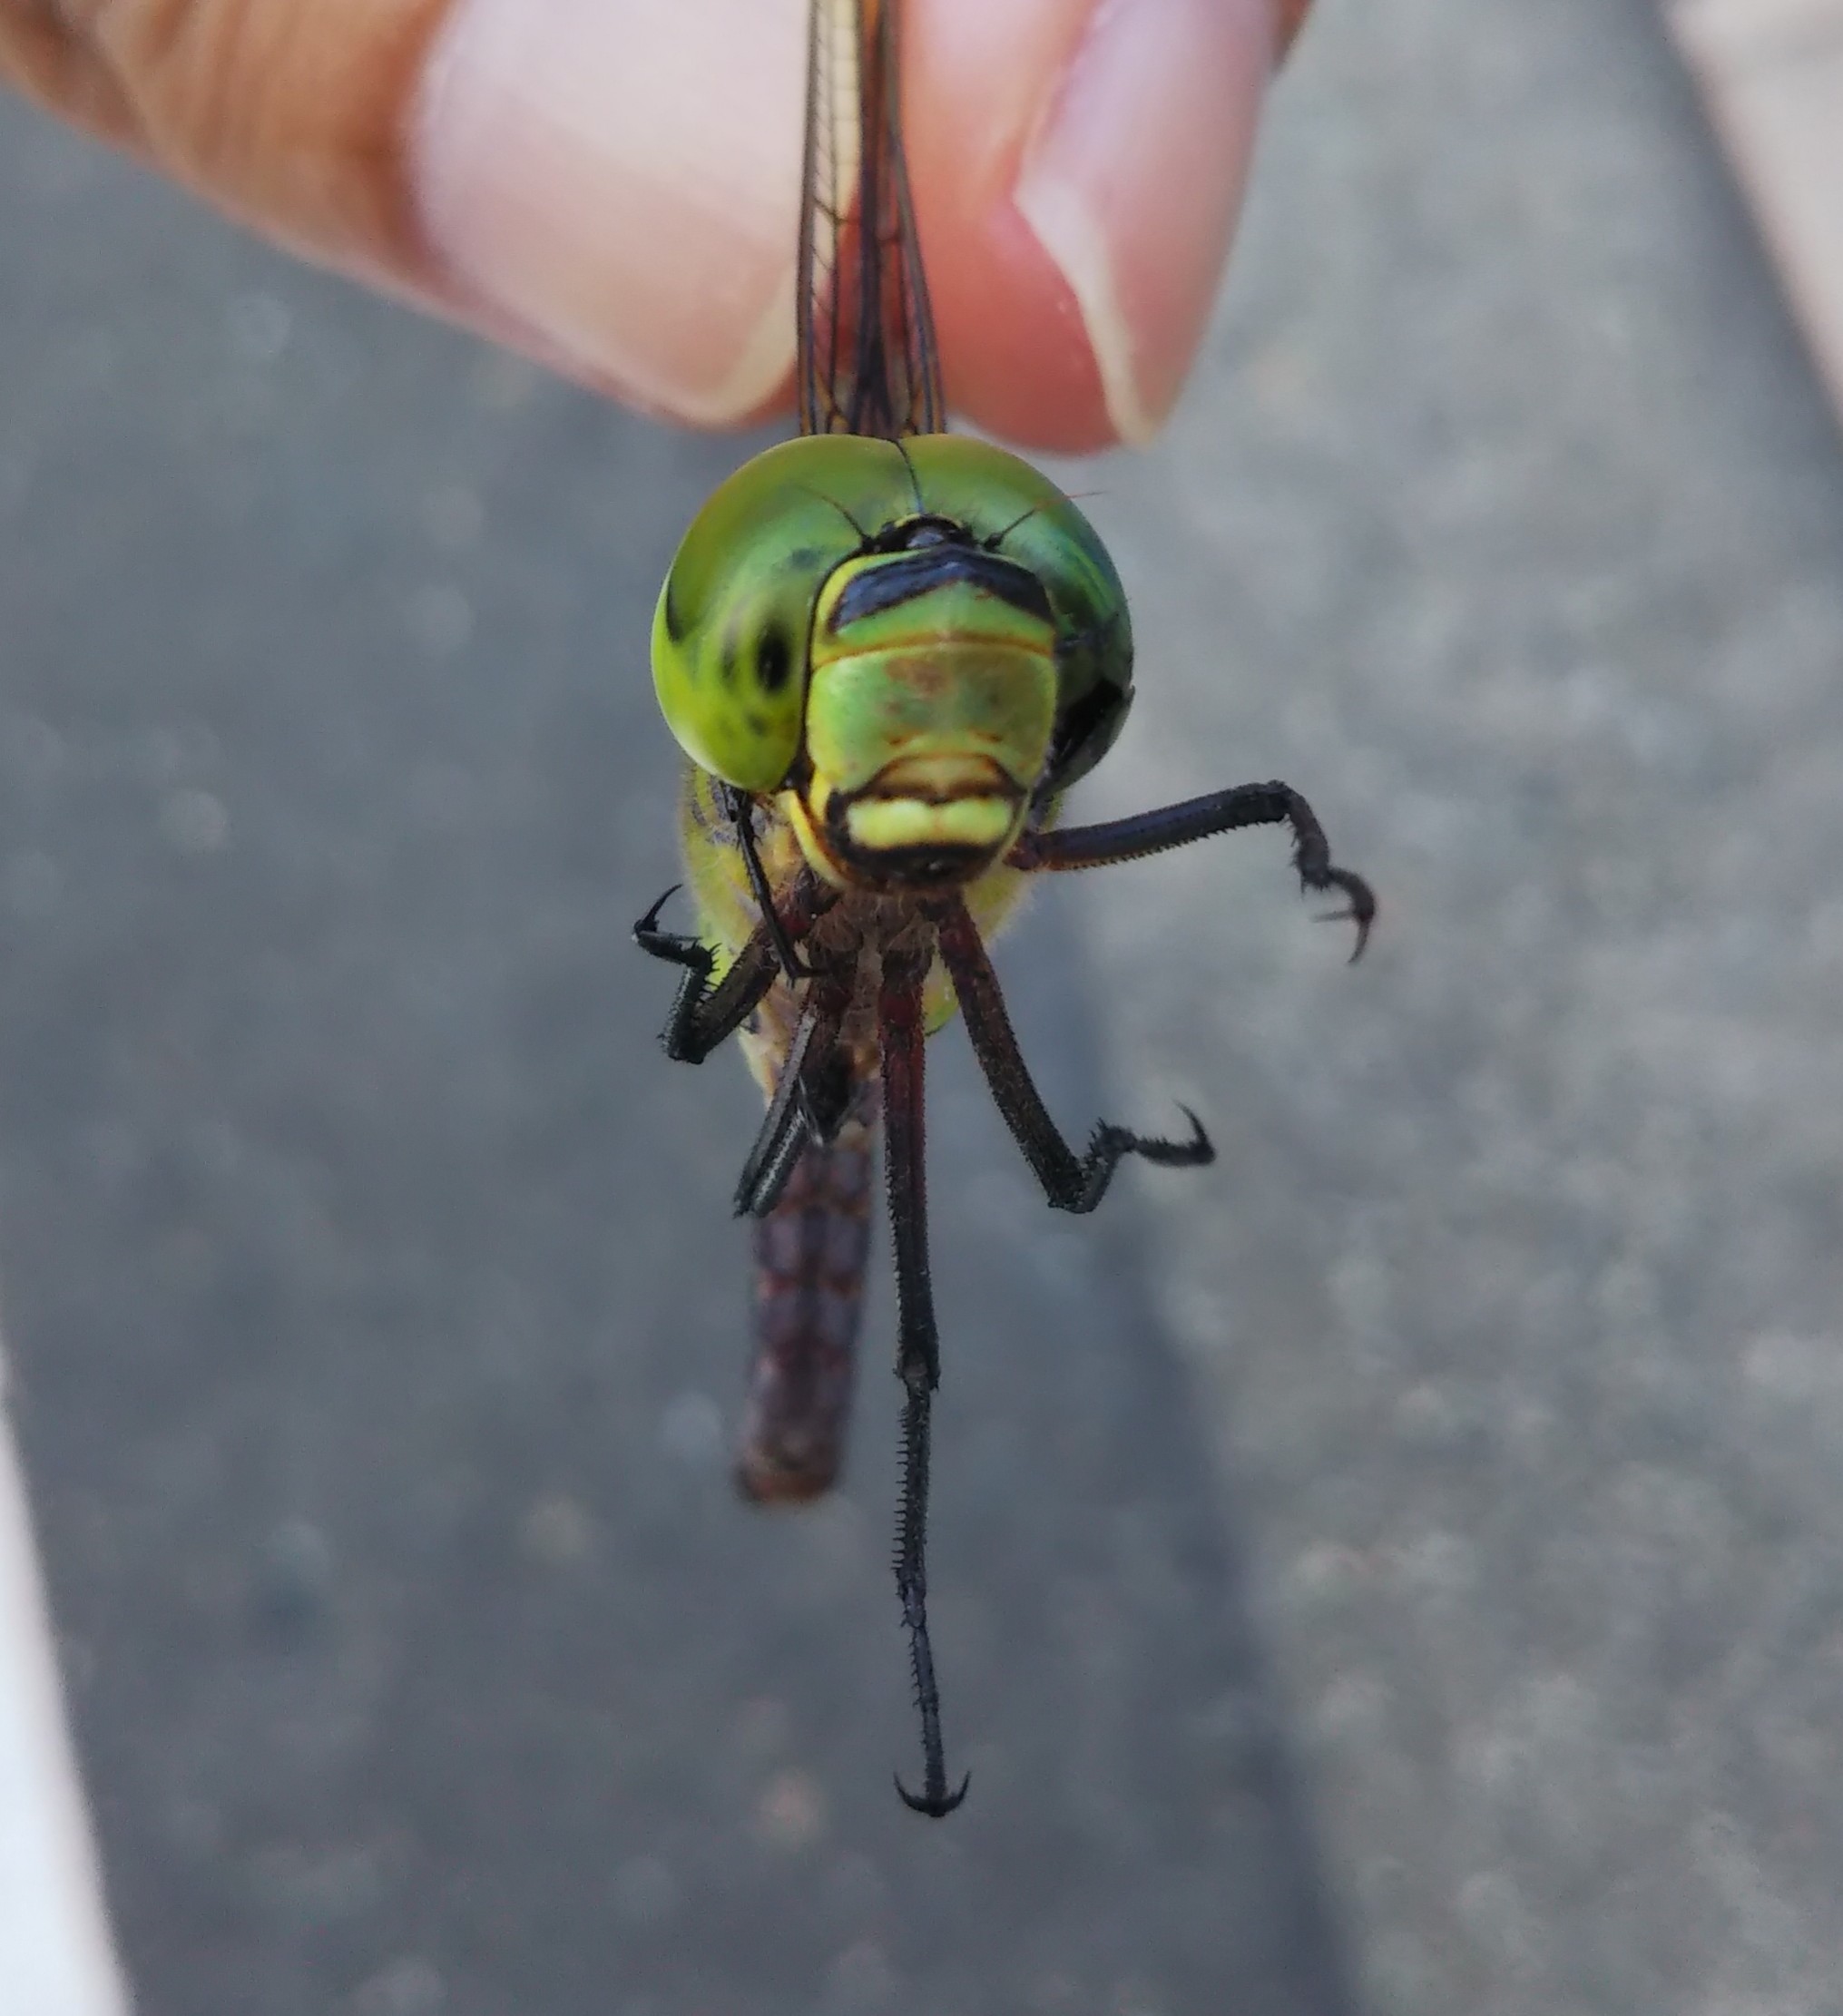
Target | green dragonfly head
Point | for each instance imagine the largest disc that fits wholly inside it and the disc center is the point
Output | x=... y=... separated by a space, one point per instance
x=918 y=640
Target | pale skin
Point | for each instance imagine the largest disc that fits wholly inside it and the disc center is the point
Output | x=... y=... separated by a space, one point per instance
x=611 y=184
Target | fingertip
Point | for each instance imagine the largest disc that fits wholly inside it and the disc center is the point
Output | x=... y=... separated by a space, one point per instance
x=1078 y=169
x=1019 y=361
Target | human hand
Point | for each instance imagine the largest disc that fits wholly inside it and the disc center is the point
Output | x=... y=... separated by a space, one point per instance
x=612 y=185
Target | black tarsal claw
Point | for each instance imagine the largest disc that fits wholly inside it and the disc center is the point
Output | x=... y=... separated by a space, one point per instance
x=936 y=1806
x=1362 y=910
x=1199 y=1149
x=670 y=945
x=648 y=925
x=1113 y=1144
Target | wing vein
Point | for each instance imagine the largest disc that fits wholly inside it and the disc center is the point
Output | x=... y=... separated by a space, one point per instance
x=868 y=360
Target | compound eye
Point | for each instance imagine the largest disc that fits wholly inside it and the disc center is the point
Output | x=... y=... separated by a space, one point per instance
x=730 y=637
x=1085 y=730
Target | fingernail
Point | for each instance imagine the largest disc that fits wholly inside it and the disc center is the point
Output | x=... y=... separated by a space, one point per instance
x=623 y=182
x=1133 y=184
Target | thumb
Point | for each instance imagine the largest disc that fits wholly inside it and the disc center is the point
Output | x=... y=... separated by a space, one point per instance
x=614 y=184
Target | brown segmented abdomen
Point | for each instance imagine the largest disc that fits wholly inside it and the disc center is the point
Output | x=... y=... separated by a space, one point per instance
x=810 y=1255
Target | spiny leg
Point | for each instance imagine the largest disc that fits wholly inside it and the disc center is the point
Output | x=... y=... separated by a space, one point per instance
x=1176 y=826
x=673 y=947
x=741 y=807
x=917 y=1359
x=703 y=1016
x=1071 y=1182
x=811 y=1095
x=783 y=1133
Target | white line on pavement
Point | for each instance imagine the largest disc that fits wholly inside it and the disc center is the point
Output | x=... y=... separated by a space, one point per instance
x=56 y=1958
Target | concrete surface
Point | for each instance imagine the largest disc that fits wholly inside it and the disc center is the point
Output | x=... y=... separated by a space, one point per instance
x=1516 y=522
x=1399 y=1570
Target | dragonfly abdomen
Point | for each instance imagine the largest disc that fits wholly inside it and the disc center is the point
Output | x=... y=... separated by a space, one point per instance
x=809 y=1256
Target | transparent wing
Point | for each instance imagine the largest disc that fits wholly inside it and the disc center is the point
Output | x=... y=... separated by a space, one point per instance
x=866 y=357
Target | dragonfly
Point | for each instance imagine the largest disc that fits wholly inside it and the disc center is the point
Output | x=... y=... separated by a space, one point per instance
x=887 y=651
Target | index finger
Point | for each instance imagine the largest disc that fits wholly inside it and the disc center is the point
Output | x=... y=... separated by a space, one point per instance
x=1078 y=171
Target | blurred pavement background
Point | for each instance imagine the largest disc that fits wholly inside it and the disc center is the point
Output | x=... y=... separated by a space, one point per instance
x=1401 y=1570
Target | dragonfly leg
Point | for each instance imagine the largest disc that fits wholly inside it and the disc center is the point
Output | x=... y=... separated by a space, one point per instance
x=783 y=1134
x=703 y=1017
x=1176 y=826
x=673 y=947
x=1071 y=1182
x=811 y=1098
x=741 y=807
x=917 y=1359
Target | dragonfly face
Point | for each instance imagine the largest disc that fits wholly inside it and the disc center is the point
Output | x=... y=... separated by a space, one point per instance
x=918 y=640
x=886 y=650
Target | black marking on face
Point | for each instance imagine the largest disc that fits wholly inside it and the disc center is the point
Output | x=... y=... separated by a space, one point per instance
x=904 y=576
x=920 y=868
x=940 y=865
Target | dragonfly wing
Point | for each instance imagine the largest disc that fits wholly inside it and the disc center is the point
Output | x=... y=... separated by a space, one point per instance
x=868 y=362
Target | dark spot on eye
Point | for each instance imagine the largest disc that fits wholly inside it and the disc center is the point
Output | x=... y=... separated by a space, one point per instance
x=1083 y=724
x=674 y=622
x=773 y=659
x=760 y=726
x=726 y=659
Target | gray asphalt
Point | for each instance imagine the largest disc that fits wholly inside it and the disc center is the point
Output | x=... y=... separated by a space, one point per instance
x=1398 y=1571
x=1509 y=501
